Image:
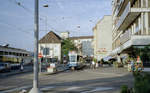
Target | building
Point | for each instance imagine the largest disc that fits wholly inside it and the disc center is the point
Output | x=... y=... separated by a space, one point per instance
x=131 y=25
x=103 y=37
x=83 y=44
x=50 y=46
x=64 y=35
x=14 y=55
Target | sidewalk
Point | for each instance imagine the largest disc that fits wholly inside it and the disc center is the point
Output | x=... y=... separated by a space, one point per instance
x=15 y=72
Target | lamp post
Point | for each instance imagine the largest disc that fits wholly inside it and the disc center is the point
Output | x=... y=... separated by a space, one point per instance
x=35 y=88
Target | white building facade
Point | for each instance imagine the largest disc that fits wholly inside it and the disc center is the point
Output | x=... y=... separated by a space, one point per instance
x=103 y=37
x=50 y=46
x=80 y=42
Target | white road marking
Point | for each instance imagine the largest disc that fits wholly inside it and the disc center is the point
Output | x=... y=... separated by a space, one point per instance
x=72 y=88
x=16 y=89
x=98 y=89
x=47 y=88
x=113 y=74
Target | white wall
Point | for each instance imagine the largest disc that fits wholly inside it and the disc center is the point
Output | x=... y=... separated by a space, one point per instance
x=55 y=49
x=103 y=37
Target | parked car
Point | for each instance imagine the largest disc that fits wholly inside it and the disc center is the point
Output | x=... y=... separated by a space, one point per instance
x=5 y=67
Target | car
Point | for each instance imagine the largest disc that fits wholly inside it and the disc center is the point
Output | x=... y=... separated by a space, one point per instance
x=5 y=67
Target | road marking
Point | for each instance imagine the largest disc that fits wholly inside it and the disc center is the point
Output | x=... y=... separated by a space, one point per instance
x=47 y=88
x=98 y=89
x=16 y=89
x=114 y=74
x=72 y=88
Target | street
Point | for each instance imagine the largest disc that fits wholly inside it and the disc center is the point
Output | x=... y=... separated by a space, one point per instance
x=101 y=80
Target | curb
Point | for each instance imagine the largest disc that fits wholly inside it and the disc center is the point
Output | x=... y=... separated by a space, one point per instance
x=14 y=73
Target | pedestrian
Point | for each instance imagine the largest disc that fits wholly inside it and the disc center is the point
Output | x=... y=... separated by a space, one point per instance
x=129 y=65
x=101 y=63
x=21 y=65
x=96 y=65
x=93 y=64
x=139 y=64
x=132 y=66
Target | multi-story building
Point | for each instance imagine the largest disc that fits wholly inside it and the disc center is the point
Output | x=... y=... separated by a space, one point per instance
x=103 y=37
x=83 y=44
x=131 y=25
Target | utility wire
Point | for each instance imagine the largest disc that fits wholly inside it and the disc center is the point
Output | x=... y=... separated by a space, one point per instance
x=22 y=6
x=13 y=26
x=31 y=13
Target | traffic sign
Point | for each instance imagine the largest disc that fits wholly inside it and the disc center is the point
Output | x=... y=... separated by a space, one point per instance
x=40 y=55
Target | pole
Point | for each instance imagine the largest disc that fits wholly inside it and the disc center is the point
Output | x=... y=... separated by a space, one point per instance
x=35 y=88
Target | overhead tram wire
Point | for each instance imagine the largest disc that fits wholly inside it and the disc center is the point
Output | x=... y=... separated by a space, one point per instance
x=22 y=6
x=31 y=12
x=17 y=28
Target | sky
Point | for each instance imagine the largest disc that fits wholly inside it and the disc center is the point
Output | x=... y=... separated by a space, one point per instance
x=76 y=16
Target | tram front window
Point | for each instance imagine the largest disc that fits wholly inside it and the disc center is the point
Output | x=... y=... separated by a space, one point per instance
x=72 y=58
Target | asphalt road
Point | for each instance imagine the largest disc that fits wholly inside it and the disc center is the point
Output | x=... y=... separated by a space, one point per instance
x=102 y=80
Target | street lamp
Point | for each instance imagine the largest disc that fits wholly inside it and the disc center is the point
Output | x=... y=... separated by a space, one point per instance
x=35 y=88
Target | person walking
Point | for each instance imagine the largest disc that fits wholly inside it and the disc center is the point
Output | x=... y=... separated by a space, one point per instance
x=93 y=64
x=21 y=65
x=132 y=66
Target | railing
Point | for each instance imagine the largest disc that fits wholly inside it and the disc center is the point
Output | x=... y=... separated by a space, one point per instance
x=125 y=37
x=123 y=16
x=119 y=5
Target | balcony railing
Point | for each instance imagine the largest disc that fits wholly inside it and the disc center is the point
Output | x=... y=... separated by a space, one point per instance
x=119 y=6
x=125 y=37
x=124 y=14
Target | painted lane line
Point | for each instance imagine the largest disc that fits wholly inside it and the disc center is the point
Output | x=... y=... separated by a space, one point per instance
x=98 y=89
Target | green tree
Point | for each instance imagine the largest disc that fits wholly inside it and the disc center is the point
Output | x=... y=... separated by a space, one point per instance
x=142 y=52
x=67 y=45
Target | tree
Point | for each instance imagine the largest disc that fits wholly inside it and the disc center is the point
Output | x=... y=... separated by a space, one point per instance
x=67 y=45
x=143 y=53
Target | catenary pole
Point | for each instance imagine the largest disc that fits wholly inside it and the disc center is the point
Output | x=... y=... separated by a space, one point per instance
x=35 y=88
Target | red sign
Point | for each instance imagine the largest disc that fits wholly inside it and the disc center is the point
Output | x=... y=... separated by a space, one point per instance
x=40 y=55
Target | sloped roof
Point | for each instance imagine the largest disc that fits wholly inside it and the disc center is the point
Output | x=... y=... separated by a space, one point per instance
x=50 y=37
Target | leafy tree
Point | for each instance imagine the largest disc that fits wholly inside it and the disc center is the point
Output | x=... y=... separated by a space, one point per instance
x=67 y=45
x=142 y=52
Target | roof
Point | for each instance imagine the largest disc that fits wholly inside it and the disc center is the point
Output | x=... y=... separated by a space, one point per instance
x=82 y=37
x=6 y=48
x=50 y=37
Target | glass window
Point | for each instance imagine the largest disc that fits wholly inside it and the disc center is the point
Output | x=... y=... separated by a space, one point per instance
x=72 y=58
x=46 y=51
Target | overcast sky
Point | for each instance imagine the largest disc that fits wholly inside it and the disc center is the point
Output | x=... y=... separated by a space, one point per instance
x=17 y=19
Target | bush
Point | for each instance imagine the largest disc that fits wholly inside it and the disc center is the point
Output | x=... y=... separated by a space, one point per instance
x=124 y=89
x=141 y=82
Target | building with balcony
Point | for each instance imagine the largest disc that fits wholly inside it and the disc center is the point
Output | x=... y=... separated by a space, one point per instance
x=103 y=37
x=131 y=25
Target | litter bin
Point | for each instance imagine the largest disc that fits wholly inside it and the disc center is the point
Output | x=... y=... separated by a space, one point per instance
x=52 y=68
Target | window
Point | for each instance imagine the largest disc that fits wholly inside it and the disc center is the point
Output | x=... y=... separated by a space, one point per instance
x=72 y=58
x=46 y=51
